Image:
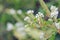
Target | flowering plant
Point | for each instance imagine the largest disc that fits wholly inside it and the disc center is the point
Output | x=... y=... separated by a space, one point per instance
x=39 y=26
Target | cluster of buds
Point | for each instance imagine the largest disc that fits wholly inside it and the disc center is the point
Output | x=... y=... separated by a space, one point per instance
x=45 y=26
x=35 y=25
x=54 y=11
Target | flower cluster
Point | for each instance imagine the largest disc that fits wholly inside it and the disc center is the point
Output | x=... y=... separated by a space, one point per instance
x=13 y=11
x=46 y=27
x=54 y=11
x=39 y=15
x=34 y=25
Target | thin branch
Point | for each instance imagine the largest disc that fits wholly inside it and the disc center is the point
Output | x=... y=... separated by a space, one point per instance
x=44 y=6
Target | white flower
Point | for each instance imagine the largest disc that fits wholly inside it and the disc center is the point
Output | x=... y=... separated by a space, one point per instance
x=19 y=24
x=30 y=11
x=53 y=8
x=19 y=11
x=39 y=15
x=26 y=18
x=9 y=26
x=12 y=11
x=57 y=25
x=54 y=14
x=19 y=27
x=41 y=35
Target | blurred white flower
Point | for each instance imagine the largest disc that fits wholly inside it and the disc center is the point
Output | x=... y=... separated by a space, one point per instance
x=9 y=26
x=12 y=11
x=41 y=35
x=54 y=14
x=26 y=18
x=19 y=24
x=53 y=8
x=19 y=11
x=54 y=11
x=39 y=15
x=57 y=25
x=30 y=11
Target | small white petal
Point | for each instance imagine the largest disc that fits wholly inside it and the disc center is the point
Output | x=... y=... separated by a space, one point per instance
x=26 y=18
x=40 y=14
x=54 y=14
x=9 y=26
x=53 y=8
x=37 y=16
x=19 y=11
x=12 y=11
x=30 y=11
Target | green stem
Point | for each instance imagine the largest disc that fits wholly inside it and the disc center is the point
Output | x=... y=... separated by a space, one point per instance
x=17 y=18
x=44 y=6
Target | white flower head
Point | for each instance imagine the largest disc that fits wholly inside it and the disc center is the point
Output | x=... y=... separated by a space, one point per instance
x=30 y=11
x=54 y=11
x=41 y=35
x=57 y=25
x=9 y=26
x=53 y=8
x=39 y=15
x=26 y=18
x=54 y=14
x=19 y=27
x=19 y=24
x=12 y=11
x=19 y=11
x=1 y=8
